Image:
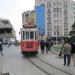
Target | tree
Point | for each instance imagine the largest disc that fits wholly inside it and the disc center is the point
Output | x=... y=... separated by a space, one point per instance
x=72 y=33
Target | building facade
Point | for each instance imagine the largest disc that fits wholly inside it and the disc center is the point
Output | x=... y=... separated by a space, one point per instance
x=6 y=30
x=28 y=18
x=40 y=18
x=59 y=17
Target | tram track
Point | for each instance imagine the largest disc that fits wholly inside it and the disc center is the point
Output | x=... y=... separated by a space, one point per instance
x=54 y=66
x=46 y=67
x=47 y=73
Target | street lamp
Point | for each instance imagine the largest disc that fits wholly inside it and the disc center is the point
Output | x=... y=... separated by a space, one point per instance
x=57 y=34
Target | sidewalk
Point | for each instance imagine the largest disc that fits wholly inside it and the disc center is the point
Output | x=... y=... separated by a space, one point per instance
x=53 y=59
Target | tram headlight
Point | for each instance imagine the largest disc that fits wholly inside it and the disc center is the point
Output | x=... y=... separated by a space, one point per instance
x=29 y=46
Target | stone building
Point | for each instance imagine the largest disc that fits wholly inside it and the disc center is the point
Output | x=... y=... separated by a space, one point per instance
x=6 y=30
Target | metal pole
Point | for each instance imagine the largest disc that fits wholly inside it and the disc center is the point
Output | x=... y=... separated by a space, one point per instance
x=56 y=35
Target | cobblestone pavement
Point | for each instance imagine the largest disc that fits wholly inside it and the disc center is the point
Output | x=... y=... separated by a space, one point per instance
x=14 y=63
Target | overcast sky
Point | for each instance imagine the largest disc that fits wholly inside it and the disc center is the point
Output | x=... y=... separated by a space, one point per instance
x=13 y=9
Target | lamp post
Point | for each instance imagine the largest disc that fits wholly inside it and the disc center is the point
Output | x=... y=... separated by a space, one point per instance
x=57 y=34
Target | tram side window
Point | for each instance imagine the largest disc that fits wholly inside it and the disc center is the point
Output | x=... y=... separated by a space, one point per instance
x=36 y=35
x=31 y=35
x=23 y=35
x=27 y=35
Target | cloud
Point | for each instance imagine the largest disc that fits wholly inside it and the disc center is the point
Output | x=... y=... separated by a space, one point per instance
x=14 y=13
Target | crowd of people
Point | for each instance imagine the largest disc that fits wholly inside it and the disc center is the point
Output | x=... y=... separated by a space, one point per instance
x=67 y=50
x=45 y=44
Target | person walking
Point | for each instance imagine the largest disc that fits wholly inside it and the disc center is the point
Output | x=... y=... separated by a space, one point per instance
x=67 y=53
x=61 y=50
x=73 y=51
x=42 y=45
x=47 y=46
x=1 y=48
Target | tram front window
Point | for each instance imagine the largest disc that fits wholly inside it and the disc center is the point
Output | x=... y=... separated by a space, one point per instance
x=27 y=35
x=31 y=35
x=23 y=35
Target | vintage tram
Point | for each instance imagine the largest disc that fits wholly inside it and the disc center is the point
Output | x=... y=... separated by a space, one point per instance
x=29 y=41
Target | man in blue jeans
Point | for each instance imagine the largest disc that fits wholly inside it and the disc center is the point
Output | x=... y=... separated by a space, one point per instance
x=67 y=53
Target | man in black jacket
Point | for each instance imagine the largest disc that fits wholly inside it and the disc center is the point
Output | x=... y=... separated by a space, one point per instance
x=42 y=45
x=73 y=51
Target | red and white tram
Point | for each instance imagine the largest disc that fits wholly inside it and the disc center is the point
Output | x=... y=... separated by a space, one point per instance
x=29 y=42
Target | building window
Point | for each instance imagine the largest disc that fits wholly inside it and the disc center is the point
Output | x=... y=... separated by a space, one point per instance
x=48 y=33
x=48 y=18
x=65 y=11
x=49 y=21
x=65 y=3
x=57 y=9
x=57 y=3
x=54 y=15
x=65 y=33
x=65 y=18
x=57 y=14
x=54 y=10
x=48 y=11
x=54 y=21
x=58 y=21
x=49 y=14
x=60 y=3
x=54 y=3
x=55 y=33
x=5 y=22
x=65 y=22
x=74 y=8
x=54 y=27
x=26 y=15
x=48 y=4
x=31 y=35
x=65 y=14
x=23 y=35
x=27 y=35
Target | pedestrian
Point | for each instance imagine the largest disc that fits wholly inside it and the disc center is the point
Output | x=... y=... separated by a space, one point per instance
x=8 y=44
x=51 y=44
x=47 y=46
x=67 y=53
x=61 y=50
x=73 y=51
x=60 y=54
x=1 y=48
x=42 y=45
